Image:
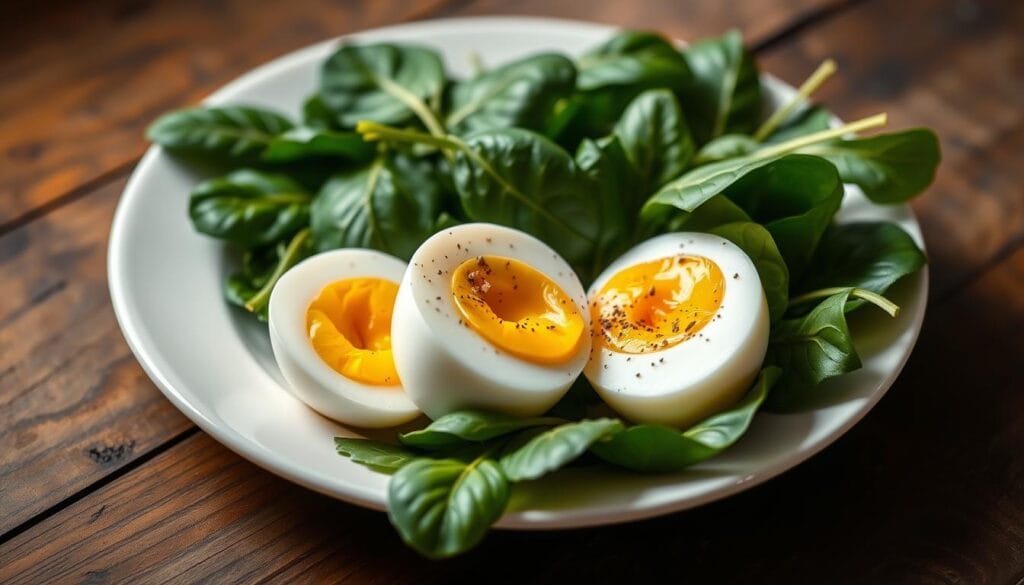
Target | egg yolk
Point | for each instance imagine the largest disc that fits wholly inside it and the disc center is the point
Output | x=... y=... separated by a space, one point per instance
x=658 y=304
x=518 y=309
x=349 y=325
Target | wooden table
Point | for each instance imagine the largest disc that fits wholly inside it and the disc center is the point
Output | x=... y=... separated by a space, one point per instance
x=102 y=480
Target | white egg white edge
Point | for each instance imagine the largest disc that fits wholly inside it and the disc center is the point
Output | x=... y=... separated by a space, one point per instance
x=309 y=377
x=446 y=365
x=724 y=356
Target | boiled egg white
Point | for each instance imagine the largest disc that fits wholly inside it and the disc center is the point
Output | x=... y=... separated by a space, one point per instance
x=330 y=328
x=680 y=328
x=489 y=318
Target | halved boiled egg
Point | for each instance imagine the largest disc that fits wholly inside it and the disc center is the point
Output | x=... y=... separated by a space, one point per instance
x=680 y=328
x=330 y=327
x=490 y=318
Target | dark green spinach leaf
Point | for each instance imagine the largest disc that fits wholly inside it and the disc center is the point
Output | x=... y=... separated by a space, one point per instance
x=382 y=457
x=521 y=93
x=250 y=288
x=538 y=453
x=249 y=208
x=619 y=194
x=382 y=82
x=725 y=147
x=808 y=121
x=758 y=244
x=470 y=426
x=238 y=133
x=656 y=138
x=656 y=448
x=725 y=94
x=303 y=143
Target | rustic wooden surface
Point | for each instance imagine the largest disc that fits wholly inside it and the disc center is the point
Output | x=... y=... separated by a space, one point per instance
x=102 y=480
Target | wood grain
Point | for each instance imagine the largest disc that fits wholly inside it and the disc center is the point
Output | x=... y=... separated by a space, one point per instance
x=74 y=404
x=929 y=488
x=957 y=67
x=91 y=75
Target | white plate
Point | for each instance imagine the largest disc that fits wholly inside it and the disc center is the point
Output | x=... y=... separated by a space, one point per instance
x=216 y=366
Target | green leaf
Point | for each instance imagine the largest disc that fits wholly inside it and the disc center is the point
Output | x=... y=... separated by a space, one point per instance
x=890 y=168
x=618 y=195
x=382 y=82
x=303 y=143
x=521 y=93
x=866 y=255
x=250 y=287
x=717 y=211
x=656 y=138
x=725 y=147
x=442 y=507
x=811 y=350
x=520 y=179
x=758 y=244
x=390 y=205
x=538 y=454
x=656 y=448
x=316 y=114
x=470 y=426
x=795 y=198
x=238 y=133
x=249 y=208
x=378 y=456
x=808 y=121
x=725 y=94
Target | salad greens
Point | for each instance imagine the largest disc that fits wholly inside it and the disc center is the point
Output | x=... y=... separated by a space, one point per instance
x=592 y=155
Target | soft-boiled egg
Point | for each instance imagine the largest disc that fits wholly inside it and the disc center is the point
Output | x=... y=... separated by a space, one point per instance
x=330 y=327
x=680 y=328
x=490 y=318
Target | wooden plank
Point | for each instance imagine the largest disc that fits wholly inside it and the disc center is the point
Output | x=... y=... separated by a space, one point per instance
x=74 y=404
x=91 y=76
x=958 y=68
x=86 y=94
x=929 y=488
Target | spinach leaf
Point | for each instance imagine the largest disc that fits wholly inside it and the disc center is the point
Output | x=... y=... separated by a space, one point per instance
x=758 y=244
x=522 y=93
x=378 y=456
x=656 y=448
x=538 y=453
x=726 y=146
x=656 y=138
x=714 y=212
x=725 y=94
x=467 y=426
x=517 y=178
x=616 y=183
x=795 y=198
x=390 y=205
x=250 y=288
x=238 y=133
x=866 y=255
x=316 y=114
x=302 y=143
x=890 y=168
x=810 y=350
x=249 y=208
x=808 y=121
x=442 y=507
x=382 y=82
x=614 y=73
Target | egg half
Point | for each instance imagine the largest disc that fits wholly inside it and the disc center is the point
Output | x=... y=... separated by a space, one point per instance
x=488 y=317
x=330 y=328
x=680 y=329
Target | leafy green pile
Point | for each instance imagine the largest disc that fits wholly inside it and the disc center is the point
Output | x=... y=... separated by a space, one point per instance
x=632 y=139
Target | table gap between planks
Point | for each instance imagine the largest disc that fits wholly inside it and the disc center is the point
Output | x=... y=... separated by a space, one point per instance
x=101 y=479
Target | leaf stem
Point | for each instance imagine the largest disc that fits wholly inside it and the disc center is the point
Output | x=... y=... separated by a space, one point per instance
x=865 y=295
x=820 y=75
x=822 y=136
x=373 y=131
x=414 y=103
x=288 y=259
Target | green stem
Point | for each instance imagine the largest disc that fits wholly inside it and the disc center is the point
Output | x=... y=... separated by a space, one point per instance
x=822 y=136
x=865 y=295
x=820 y=75
x=290 y=257
x=475 y=63
x=372 y=131
x=414 y=103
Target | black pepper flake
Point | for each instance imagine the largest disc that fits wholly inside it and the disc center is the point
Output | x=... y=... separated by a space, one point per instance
x=638 y=374
x=736 y=276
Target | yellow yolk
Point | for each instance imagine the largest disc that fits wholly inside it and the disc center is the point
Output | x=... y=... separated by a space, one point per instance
x=518 y=309
x=657 y=304
x=349 y=325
